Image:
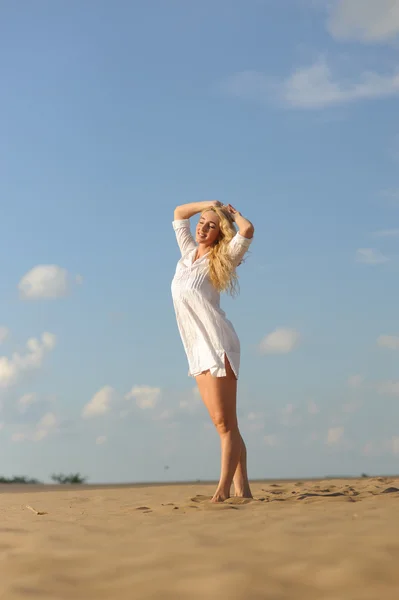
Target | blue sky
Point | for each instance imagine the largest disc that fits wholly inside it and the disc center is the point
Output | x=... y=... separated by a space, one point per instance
x=114 y=112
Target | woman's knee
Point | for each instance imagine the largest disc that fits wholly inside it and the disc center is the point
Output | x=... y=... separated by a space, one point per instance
x=224 y=424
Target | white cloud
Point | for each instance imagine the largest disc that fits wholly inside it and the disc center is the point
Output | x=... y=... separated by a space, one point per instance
x=48 y=421
x=11 y=369
x=49 y=340
x=388 y=341
x=388 y=388
x=101 y=402
x=380 y=447
x=271 y=440
x=311 y=87
x=355 y=381
x=25 y=401
x=364 y=20
x=145 y=396
x=8 y=372
x=4 y=332
x=370 y=256
x=45 y=282
x=334 y=435
x=387 y=233
x=280 y=341
x=394 y=445
x=46 y=425
x=315 y=87
x=101 y=439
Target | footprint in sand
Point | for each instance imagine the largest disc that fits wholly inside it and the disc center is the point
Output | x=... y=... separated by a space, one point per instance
x=200 y=499
x=331 y=495
x=205 y=503
x=238 y=500
x=230 y=503
x=275 y=495
x=390 y=490
x=144 y=509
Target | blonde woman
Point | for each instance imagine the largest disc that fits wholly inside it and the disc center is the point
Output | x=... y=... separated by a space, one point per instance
x=208 y=267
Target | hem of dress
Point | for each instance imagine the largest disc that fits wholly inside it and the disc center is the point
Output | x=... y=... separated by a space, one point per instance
x=216 y=370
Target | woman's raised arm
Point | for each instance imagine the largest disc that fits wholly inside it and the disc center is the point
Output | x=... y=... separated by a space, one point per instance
x=245 y=227
x=185 y=211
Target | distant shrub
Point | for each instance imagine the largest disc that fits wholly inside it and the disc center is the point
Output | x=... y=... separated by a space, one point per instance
x=364 y=475
x=72 y=478
x=18 y=479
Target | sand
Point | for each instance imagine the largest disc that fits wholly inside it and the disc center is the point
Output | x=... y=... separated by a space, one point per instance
x=324 y=540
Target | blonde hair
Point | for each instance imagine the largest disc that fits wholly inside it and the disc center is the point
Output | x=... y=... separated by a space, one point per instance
x=222 y=270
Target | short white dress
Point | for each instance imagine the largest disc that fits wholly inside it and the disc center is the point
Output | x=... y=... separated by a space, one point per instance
x=207 y=335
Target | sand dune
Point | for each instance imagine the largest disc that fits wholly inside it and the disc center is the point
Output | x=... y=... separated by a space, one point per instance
x=329 y=540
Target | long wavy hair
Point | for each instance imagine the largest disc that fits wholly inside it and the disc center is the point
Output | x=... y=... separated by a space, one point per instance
x=222 y=270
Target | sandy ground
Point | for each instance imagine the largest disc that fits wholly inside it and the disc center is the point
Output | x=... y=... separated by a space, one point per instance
x=329 y=540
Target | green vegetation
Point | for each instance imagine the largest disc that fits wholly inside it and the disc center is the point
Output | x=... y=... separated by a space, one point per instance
x=18 y=480
x=72 y=478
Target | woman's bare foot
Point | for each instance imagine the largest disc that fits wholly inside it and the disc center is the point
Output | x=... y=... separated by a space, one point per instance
x=220 y=496
x=244 y=493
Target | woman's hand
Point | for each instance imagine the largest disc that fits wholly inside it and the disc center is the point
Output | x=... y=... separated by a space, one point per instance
x=214 y=203
x=245 y=227
x=232 y=211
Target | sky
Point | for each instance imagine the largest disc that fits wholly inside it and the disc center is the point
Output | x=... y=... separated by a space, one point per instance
x=112 y=113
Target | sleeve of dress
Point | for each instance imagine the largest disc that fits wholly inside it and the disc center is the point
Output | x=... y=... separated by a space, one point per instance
x=238 y=247
x=184 y=238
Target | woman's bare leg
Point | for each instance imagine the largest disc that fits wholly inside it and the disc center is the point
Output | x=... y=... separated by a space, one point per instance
x=220 y=397
x=240 y=479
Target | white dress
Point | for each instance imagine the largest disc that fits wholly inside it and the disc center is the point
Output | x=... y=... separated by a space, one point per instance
x=206 y=333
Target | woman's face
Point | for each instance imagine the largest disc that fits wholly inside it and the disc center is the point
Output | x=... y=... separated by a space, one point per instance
x=208 y=228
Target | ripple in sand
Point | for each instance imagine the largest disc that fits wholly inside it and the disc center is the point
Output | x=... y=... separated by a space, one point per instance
x=144 y=509
x=205 y=502
x=238 y=500
x=312 y=494
x=200 y=499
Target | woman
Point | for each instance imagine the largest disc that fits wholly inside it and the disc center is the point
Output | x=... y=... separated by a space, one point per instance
x=206 y=268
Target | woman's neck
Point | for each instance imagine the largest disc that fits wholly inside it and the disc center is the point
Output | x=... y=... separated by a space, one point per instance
x=201 y=251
